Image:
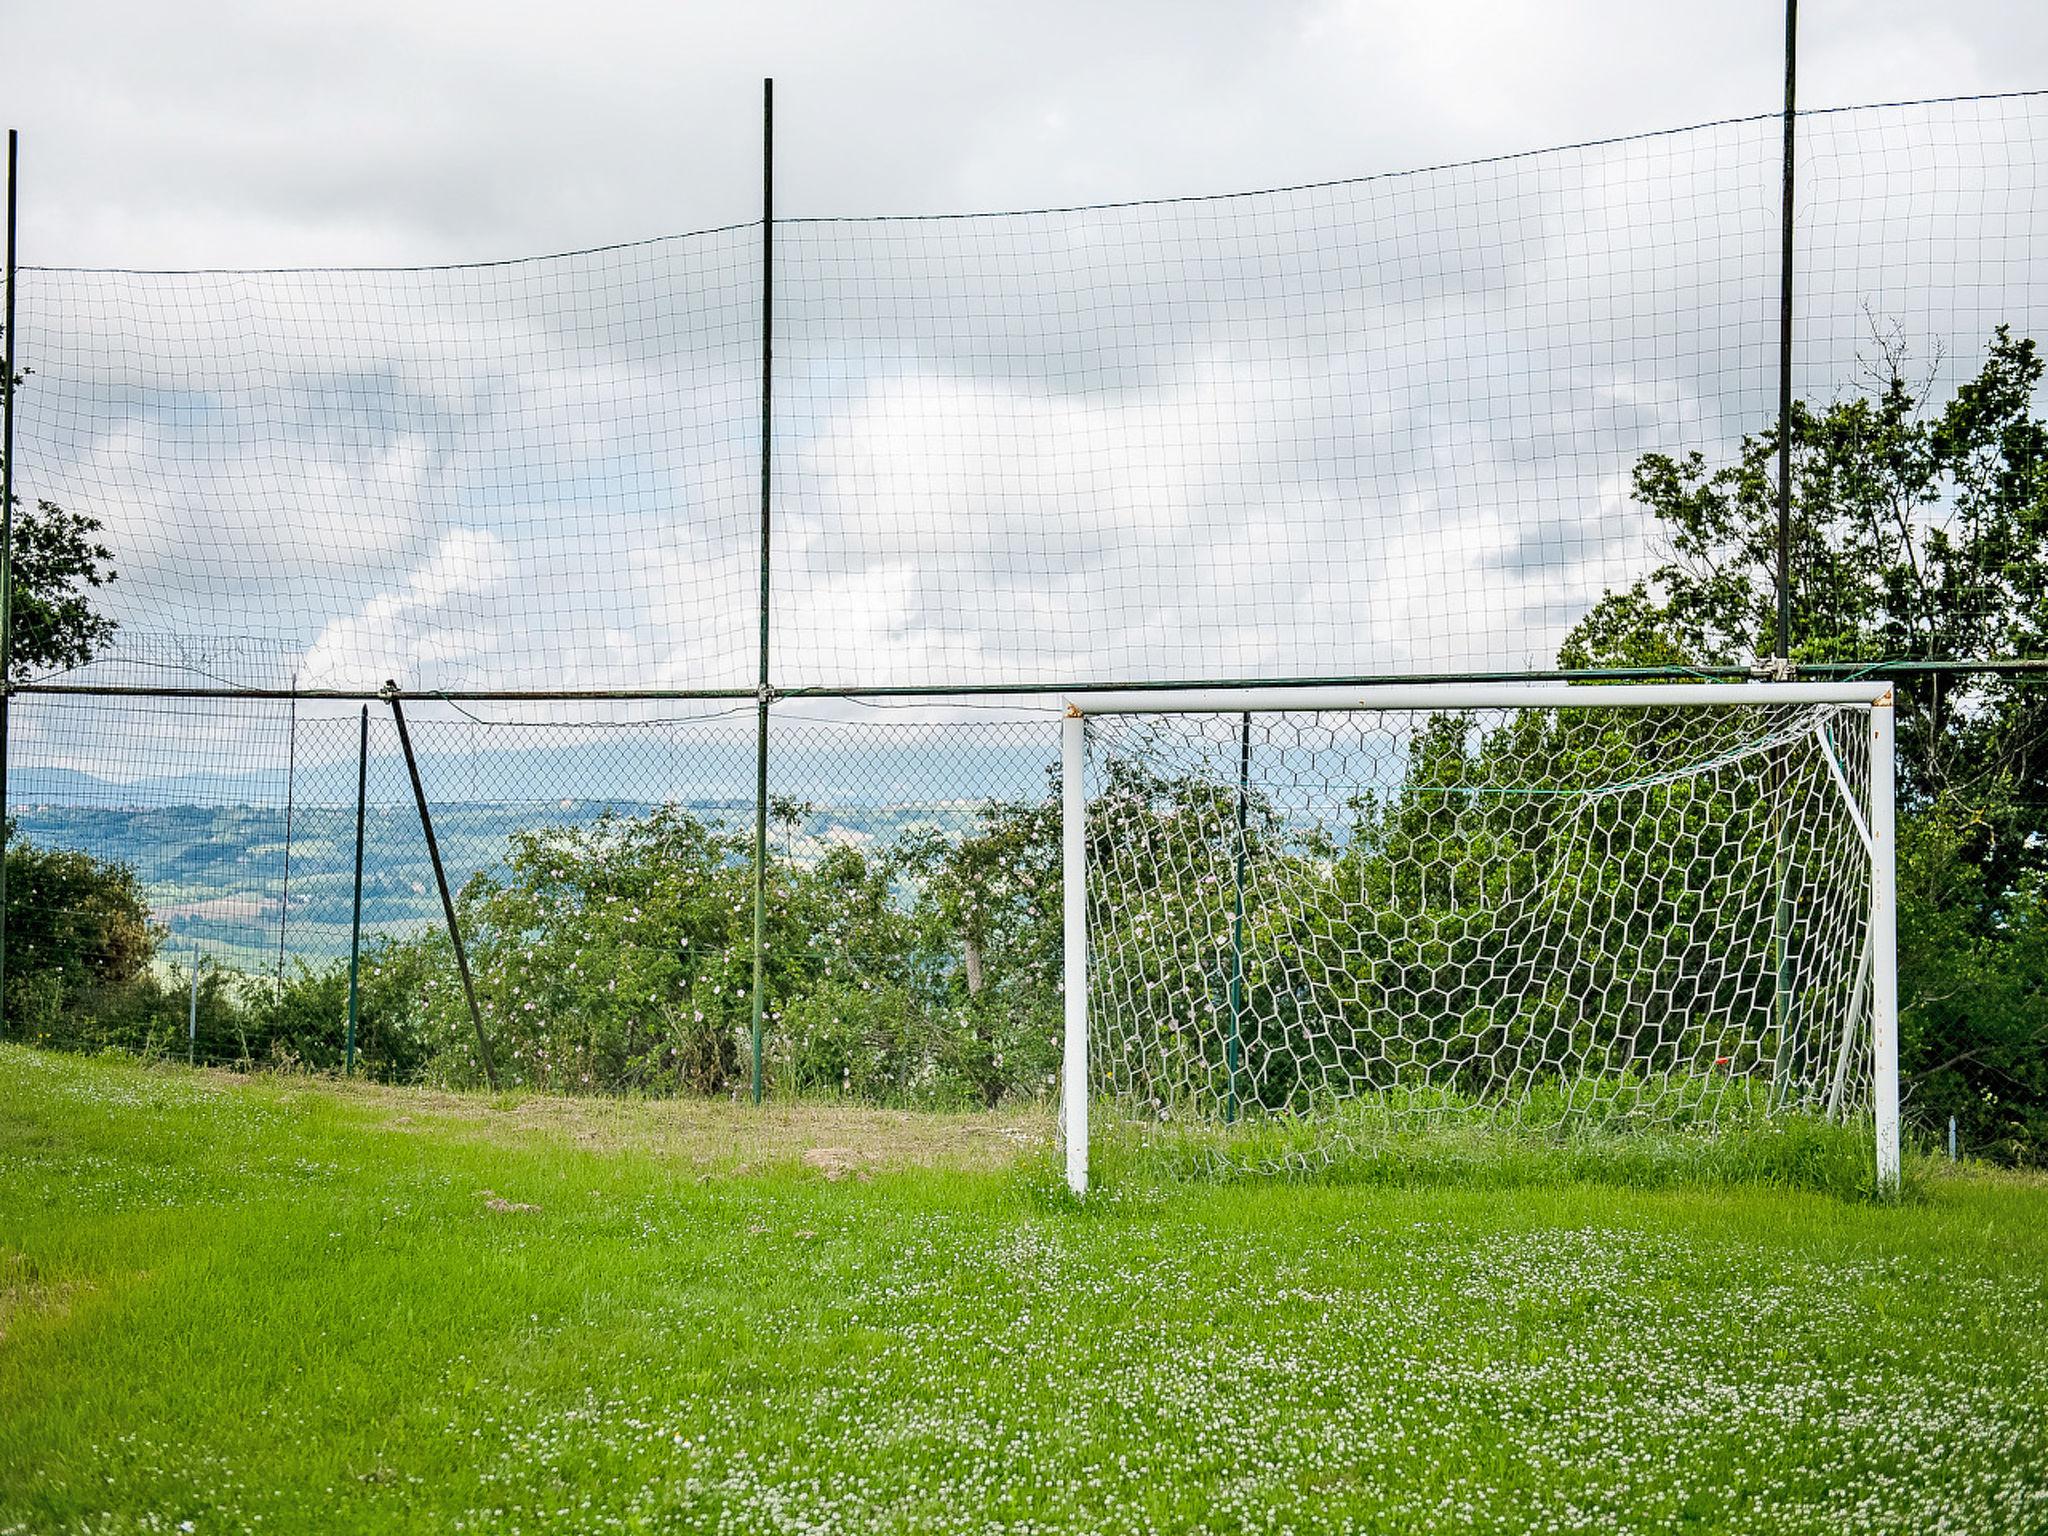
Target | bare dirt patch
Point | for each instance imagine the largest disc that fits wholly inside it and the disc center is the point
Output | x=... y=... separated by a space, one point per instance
x=720 y=1138
x=835 y=1162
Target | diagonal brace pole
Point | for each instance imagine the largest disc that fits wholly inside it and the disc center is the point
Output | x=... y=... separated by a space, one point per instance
x=419 y=794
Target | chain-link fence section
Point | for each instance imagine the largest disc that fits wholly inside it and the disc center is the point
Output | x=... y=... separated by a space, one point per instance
x=601 y=861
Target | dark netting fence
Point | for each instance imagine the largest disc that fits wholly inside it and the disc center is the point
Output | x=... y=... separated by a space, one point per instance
x=1380 y=426
x=1420 y=426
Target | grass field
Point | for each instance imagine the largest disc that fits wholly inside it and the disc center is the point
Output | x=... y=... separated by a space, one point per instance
x=281 y=1305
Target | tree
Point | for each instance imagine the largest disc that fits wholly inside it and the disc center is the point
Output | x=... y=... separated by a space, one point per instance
x=1915 y=536
x=1918 y=536
x=59 y=563
x=989 y=904
x=79 y=928
x=79 y=943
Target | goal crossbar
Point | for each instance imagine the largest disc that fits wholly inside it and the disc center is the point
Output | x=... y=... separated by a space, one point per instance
x=1450 y=697
x=1877 y=832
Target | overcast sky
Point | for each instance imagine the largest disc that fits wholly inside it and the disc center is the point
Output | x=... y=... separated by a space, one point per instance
x=1382 y=427
x=280 y=132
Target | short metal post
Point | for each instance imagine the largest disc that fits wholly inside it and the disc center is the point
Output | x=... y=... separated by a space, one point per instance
x=192 y=1015
x=1232 y=1047
x=1884 y=946
x=291 y=789
x=419 y=794
x=1951 y=1138
x=355 y=933
x=1074 y=918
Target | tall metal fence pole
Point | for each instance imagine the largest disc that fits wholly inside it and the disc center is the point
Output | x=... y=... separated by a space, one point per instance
x=1785 y=236
x=762 y=696
x=7 y=569
x=1781 y=918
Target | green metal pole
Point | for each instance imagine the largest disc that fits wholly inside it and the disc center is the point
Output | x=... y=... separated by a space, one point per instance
x=6 y=568
x=1244 y=778
x=762 y=695
x=1785 y=234
x=419 y=794
x=1781 y=917
x=355 y=933
x=291 y=790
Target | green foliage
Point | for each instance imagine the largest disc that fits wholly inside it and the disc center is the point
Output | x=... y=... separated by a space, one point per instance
x=990 y=906
x=1973 y=1010
x=58 y=563
x=87 y=970
x=1922 y=536
x=79 y=946
x=610 y=956
x=843 y=1038
x=1913 y=535
x=618 y=957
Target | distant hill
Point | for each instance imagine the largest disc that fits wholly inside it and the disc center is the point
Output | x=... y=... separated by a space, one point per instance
x=217 y=875
x=820 y=764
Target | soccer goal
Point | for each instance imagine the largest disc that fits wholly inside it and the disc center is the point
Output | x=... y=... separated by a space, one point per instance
x=1298 y=917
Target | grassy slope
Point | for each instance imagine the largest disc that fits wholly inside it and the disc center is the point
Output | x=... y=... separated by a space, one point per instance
x=273 y=1306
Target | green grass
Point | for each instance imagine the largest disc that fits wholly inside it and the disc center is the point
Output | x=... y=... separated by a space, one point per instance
x=1662 y=1135
x=278 y=1305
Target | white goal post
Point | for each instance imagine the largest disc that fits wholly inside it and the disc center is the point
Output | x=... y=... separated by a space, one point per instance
x=1646 y=902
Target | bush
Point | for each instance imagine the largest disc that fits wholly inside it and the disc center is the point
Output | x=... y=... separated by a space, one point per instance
x=79 y=946
x=851 y=1039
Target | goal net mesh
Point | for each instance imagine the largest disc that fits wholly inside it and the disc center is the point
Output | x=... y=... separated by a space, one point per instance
x=1391 y=919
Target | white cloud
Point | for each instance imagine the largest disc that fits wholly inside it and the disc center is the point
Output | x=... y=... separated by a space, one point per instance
x=236 y=133
x=432 y=627
x=1377 y=427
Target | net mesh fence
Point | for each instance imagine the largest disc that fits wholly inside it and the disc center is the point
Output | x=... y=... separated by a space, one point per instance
x=1302 y=925
x=1383 y=427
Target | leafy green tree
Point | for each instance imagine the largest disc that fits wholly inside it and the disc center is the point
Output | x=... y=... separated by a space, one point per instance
x=843 y=1014
x=619 y=956
x=59 y=563
x=1917 y=535
x=988 y=916
x=79 y=946
x=79 y=937
x=1549 y=901
x=613 y=955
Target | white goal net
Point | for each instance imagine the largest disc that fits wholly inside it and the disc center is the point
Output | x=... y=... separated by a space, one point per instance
x=1302 y=921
